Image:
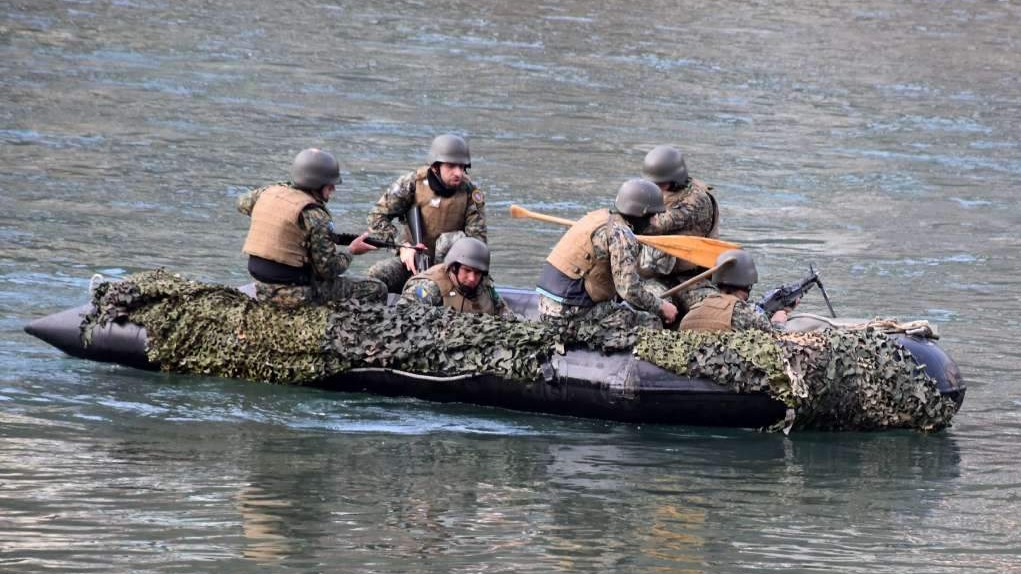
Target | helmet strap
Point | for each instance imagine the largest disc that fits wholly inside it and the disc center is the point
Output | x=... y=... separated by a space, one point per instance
x=436 y=182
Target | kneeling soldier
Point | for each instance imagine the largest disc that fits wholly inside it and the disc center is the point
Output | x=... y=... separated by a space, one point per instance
x=461 y=282
x=729 y=310
x=596 y=263
x=449 y=203
x=291 y=253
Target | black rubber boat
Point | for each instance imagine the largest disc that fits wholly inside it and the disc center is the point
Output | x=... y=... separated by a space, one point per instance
x=580 y=383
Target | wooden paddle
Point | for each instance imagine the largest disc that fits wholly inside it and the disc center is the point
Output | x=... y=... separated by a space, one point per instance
x=690 y=282
x=701 y=251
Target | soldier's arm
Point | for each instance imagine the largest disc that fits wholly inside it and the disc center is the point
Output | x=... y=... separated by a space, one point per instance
x=746 y=316
x=692 y=215
x=327 y=260
x=501 y=307
x=397 y=200
x=246 y=201
x=475 y=215
x=624 y=250
x=421 y=291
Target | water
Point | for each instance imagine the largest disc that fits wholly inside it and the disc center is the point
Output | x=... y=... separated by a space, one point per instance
x=878 y=140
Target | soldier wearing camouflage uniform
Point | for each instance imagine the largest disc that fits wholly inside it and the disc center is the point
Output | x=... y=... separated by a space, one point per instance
x=596 y=263
x=729 y=309
x=450 y=205
x=461 y=282
x=690 y=210
x=290 y=248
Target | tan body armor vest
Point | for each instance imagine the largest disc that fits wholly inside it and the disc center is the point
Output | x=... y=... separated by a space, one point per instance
x=439 y=214
x=274 y=233
x=714 y=313
x=574 y=256
x=481 y=304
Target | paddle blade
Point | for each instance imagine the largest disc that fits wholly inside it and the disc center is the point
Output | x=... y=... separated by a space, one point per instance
x=701 y=251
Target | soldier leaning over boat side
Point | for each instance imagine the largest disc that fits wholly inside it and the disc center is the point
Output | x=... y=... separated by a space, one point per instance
x=690 y=210
x=291 y=253
x=596 y=263
x=448 y=201
x=729 y=309
x=461 y=282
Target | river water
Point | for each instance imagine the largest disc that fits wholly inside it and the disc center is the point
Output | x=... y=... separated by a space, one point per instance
x=878 y=140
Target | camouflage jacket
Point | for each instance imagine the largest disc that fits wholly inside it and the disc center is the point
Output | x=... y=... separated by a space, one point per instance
x=423 y=291
x=746 y=316
x=399 y=198
x=690 y=211
x=616 y=241
x=327 y=260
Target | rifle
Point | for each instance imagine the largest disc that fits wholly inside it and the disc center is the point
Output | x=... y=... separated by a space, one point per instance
x=423 y=260
x=347 y=238
x=788 y=295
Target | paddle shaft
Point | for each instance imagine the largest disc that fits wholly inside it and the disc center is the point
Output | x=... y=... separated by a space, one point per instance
x=518 y=212
x=691 y=282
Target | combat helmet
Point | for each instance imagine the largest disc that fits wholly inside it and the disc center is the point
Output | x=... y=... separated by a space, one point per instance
x=468 y=251
x=314 y=168
x=450 y=148
x=639 y=198
x=740 y=272
x=664 y=164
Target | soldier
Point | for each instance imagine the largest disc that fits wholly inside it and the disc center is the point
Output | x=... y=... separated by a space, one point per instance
x=450 y=205
x=291 y=253
x=690 y=210
x=596 y=262
x=461 y=282
x=729 y=309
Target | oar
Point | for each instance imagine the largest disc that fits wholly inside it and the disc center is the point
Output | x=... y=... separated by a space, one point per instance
x=690 y=282
x=701 y=251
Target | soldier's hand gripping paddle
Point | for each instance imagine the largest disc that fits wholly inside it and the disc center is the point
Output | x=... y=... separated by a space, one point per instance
x=701 y=251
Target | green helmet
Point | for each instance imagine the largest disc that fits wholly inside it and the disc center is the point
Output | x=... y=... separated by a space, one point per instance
x=450 y=148
x=740 y=272
x=313 y=169
x=665 y=164
x=468 y=251
x=639 y=198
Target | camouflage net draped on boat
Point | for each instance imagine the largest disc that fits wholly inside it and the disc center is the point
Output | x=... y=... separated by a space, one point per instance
x=831 y=379
x=199 y=328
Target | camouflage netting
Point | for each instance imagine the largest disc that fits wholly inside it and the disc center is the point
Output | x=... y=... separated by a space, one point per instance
x=834 y=379
x=830 y=380
x=208 y=329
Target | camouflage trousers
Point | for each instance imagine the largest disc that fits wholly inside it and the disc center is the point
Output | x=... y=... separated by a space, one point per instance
x=392 y=273
x=395 y=274
x=611 y=315
x=340 y=289
x=686 y=299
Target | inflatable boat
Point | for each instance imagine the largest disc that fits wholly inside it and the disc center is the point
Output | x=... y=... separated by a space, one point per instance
x=616 y=386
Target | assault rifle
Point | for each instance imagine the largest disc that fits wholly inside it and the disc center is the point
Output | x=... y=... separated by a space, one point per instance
x=788 y=295
x=347 y=238
x=414 y=219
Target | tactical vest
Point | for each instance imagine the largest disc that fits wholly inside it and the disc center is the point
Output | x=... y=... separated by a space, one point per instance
x=714 y=313
x=684 y=268
x=274 y=233
x=482 y=303
x=574 y=256
x=439 y=214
